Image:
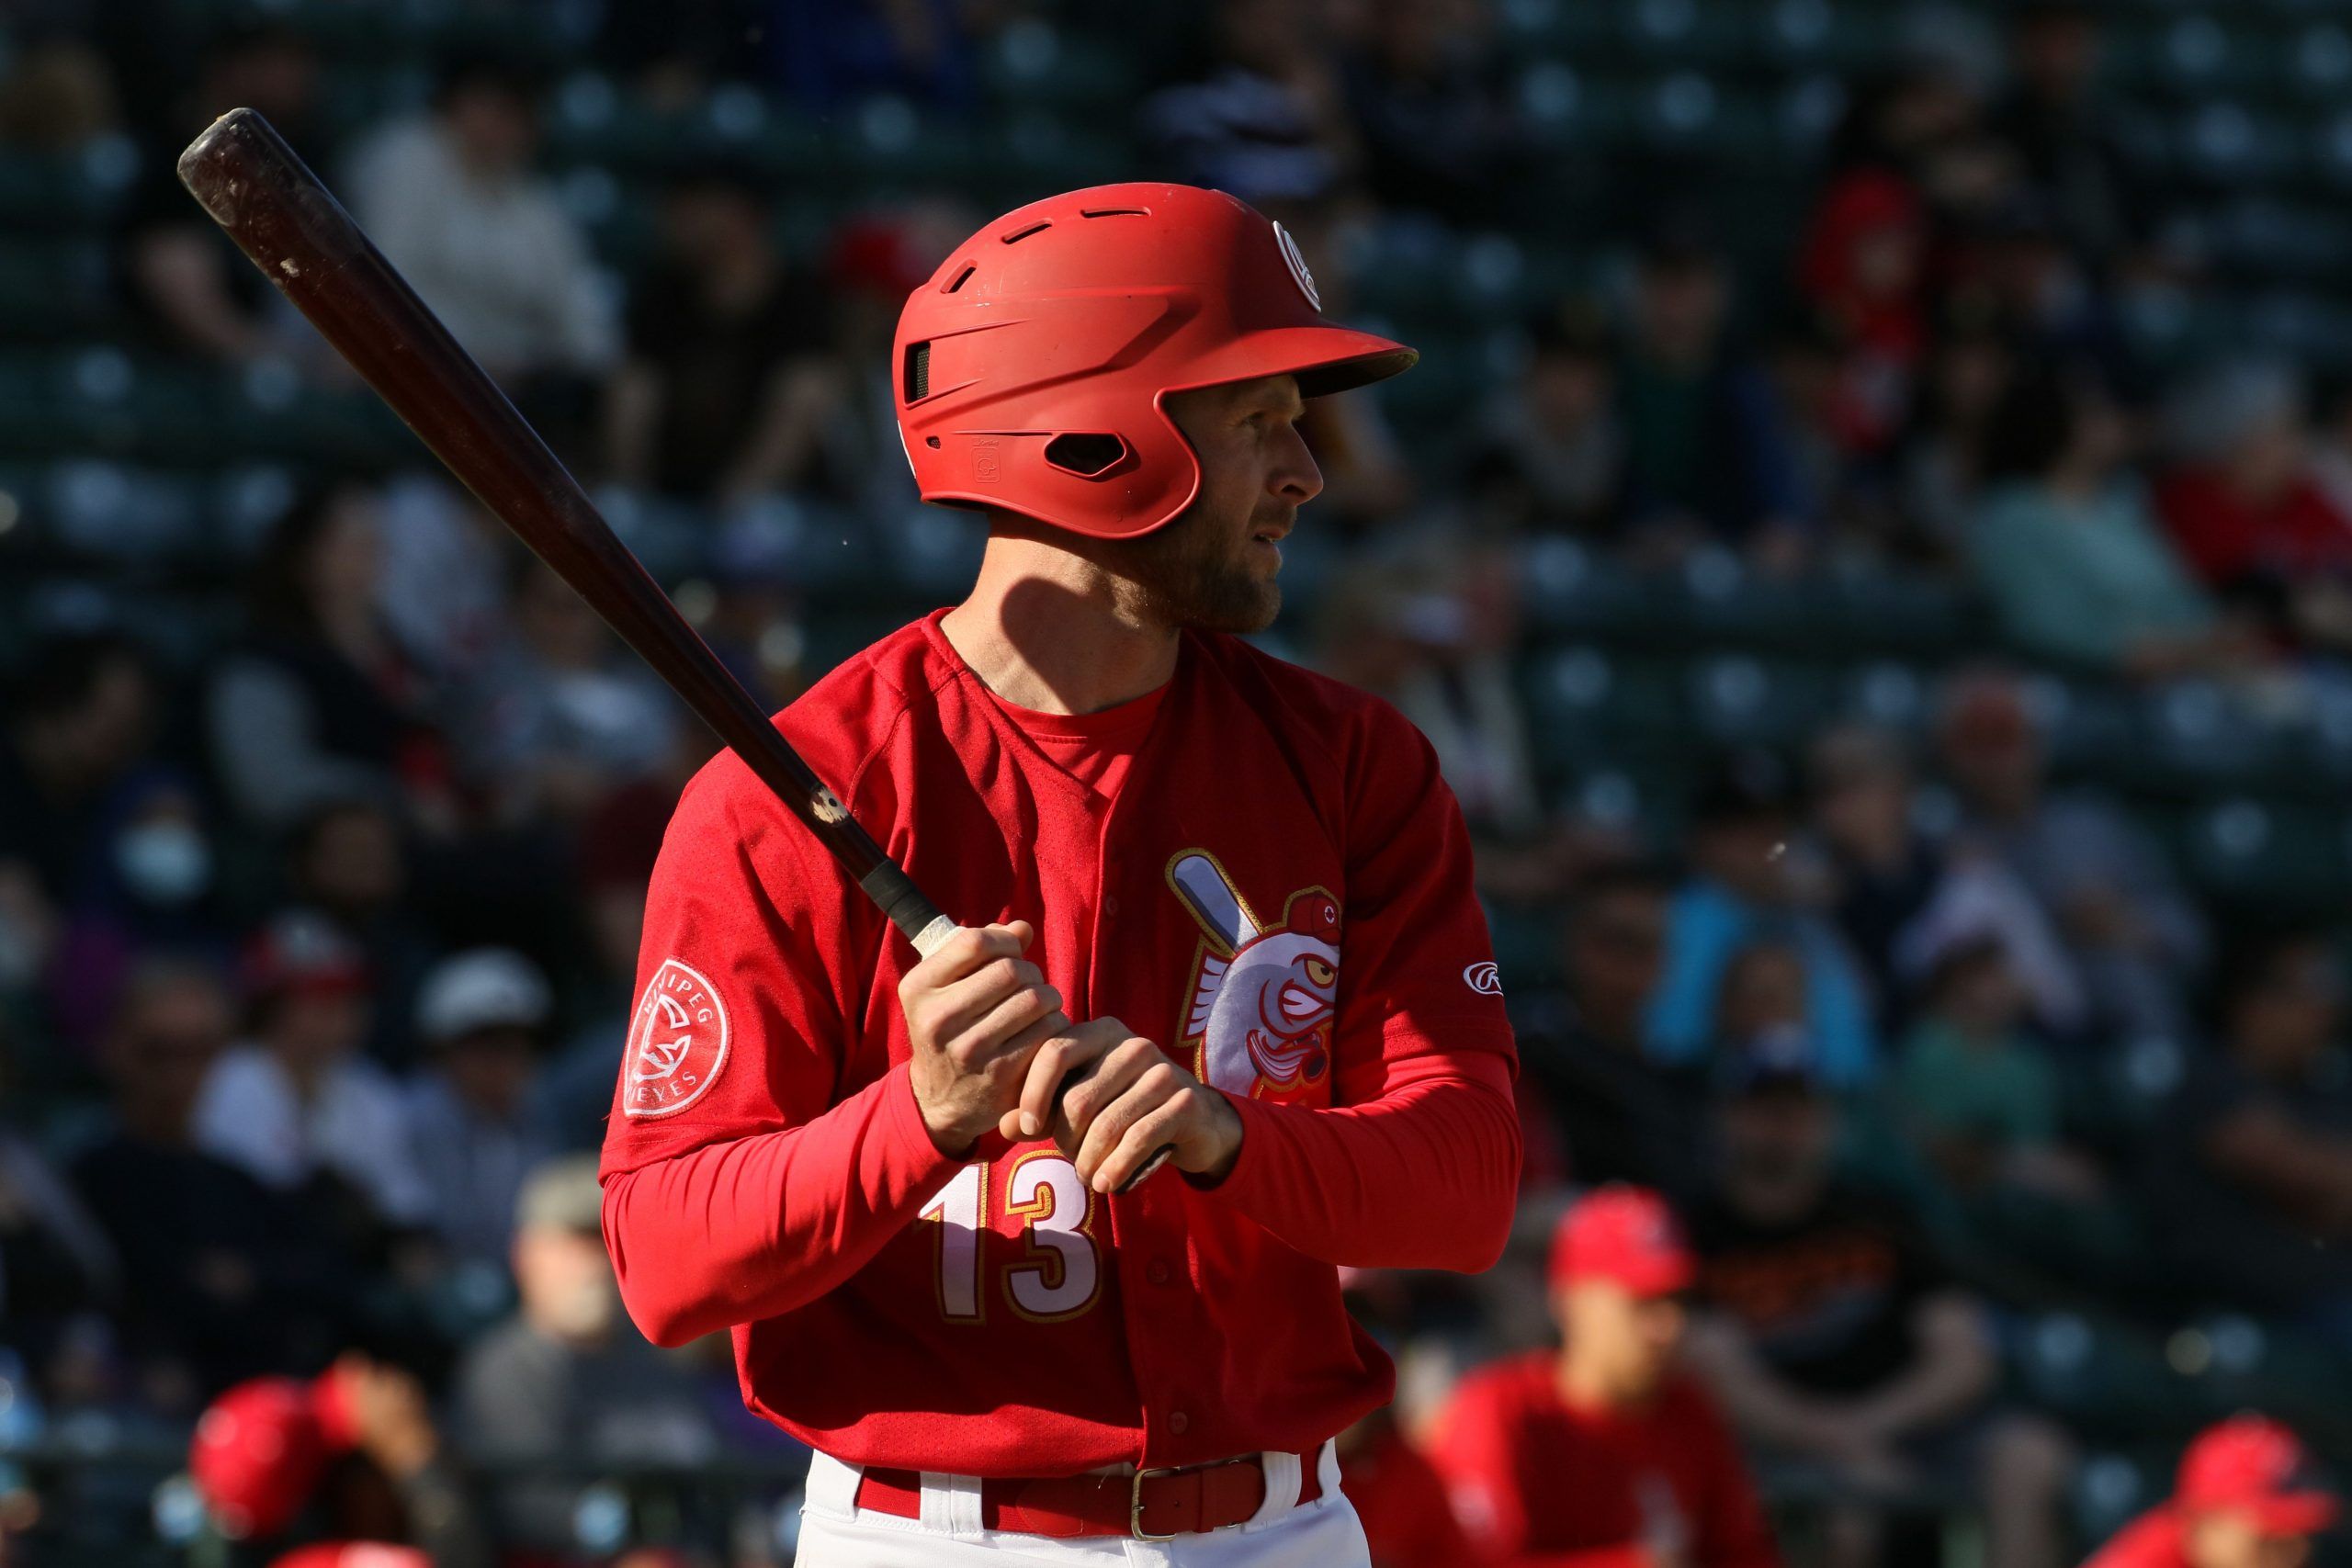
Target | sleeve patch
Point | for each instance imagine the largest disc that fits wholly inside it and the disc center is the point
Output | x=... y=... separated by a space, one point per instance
x=677 y=1043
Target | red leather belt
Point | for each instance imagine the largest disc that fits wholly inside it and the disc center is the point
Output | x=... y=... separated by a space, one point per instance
x=1150 y=1504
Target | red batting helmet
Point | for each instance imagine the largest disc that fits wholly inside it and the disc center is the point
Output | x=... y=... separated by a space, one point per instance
x=1031 y=368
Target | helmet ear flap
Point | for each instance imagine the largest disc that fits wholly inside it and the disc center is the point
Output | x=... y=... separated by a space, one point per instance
x=1087 y=453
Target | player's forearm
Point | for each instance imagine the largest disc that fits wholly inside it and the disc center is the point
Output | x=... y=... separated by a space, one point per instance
x=740 y=1231
x=1423 y=1179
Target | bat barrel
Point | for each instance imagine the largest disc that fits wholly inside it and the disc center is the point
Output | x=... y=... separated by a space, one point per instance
x=289 y=224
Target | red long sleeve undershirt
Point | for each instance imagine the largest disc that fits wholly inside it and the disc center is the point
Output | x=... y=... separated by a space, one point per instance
x=1423 y=1177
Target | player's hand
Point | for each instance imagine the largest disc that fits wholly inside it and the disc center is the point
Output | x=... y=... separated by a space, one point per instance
x=975 y=1010
x=1129 y=1100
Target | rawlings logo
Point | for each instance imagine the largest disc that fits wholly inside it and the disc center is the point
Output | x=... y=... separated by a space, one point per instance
x=677 y=1043
x=1297 y=265
x=1264 y=998
x=1484 y=978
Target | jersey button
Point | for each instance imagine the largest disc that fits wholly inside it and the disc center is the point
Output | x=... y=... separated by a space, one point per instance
x=1110 y=904
x=1179 y=1423
x=1158 y=1272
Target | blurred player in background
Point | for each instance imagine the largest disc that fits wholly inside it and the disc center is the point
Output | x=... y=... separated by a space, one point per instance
x=2246 y=1498
x=1605 y=1454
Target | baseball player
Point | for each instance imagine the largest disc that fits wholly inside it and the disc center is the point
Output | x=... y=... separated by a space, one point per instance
x=1224 y=901
x=2246 y=1497
x=1605 y=1453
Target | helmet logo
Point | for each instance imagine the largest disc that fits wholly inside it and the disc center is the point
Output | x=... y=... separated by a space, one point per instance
x=984 y=462
x=1297 y=265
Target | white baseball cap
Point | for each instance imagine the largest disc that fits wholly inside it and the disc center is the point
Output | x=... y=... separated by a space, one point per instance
x=486 y=988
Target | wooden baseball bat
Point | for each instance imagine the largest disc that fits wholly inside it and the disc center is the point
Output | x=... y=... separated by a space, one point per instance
x=290 y=226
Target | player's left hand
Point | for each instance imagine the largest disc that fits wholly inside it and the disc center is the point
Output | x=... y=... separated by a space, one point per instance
x=1130 y=1100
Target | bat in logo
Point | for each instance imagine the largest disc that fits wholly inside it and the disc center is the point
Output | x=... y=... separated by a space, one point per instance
x=1263 y=999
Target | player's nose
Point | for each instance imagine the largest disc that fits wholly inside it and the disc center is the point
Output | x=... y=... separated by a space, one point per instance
x=1294 y=477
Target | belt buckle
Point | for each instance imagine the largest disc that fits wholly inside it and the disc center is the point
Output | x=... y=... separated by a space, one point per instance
x=1134 y=1503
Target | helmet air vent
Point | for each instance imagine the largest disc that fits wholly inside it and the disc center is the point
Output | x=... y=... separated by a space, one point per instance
x=1087 y=455
x=918 y=377
x=1020 y=234
x=961 y=278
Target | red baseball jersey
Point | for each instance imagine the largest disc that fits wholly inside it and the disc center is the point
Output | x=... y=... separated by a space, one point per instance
x=1407 y=1518
x=1279 y=894
x=1539 y=1483
x=2152 y=1540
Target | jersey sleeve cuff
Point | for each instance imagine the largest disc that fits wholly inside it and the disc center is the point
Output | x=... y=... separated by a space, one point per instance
x=906 y=1142
x=1241 y=1183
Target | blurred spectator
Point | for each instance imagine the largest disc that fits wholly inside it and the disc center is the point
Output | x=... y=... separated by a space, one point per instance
x=56 y=96
x=349 y=863
x=678 y=52
x=567 y=1386
x=617 y=846
x=2076 y=568
x=300 y=1106
x=2252 y=1171
x=79 y=717
x=197 y=292
x=722 y=393
x=1980 y=1093
x=2054 y=116
x=2246 y=1497
x=2247 y=511
x=560 y=715
x=1552 y=449
x=150 y=886
x=1967 y=376
x=1604 y=1451
x=1741 y=892
x=482 y=1017
x=1818 y=389
x=443 y=566
x=1625 y=1117
x=1261 y=116
x=1427 y=100
x=1882 y=868
x=871 y=264
x=317 y=704
x=827 y=54
x=1703 y=454
x=351 y=1454
x=1861 y=269
x=1408 y=1520
x=220 y=1279
x=1837 y=1343
x=1433 y=629
x=76 y=722
x=2136 y=938
x=1897 y=894
x=450 y=198
x=58 y=1273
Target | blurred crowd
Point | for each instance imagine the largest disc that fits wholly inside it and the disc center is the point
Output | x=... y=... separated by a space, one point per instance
x=316 y=948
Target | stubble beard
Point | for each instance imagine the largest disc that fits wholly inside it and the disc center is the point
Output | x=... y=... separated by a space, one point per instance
x=1193 y=574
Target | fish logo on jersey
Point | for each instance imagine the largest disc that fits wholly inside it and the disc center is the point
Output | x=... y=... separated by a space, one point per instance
x=1263 y=998
x=677 y=1043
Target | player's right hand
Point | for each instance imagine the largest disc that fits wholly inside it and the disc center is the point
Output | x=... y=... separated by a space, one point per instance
x=976 y=1010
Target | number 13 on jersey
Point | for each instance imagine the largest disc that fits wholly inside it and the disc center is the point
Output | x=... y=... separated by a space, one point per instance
x=1059 y=1273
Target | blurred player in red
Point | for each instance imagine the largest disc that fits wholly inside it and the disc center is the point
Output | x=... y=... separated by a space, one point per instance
x=2245 y=1498
x=1604 y=1454
x=1398 y=1495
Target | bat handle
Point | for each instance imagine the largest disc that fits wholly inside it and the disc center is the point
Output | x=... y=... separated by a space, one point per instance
x=927 y=929
x=910 y=910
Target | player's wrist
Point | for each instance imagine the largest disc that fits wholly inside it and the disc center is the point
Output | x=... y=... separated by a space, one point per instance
x=1212 y=1164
